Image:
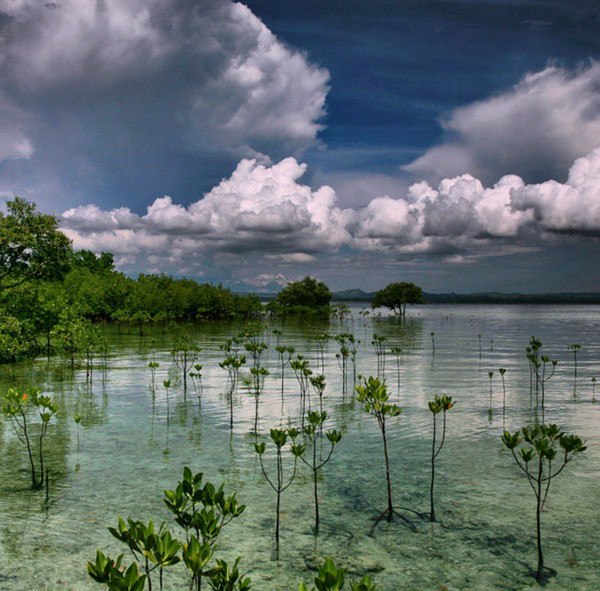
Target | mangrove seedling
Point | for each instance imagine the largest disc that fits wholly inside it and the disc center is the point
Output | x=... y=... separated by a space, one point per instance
x=15 y=406
x=342 y=358
x=539 y=369
x=490 y=410
x=318 y=384
x=502 y=371
x=332 y=578
x=594 y=389
x=184 y=355
x=534 y=450
x=228 y=578
x=397 y=352
x=196 y=376
x=320 y=342
x=255 y=384
x=378 y=343
x=202 y=510
x=314 y=432
x=232 y=364
x=285 y=357
x=575 y=348
x=167 y=385
x=303 y=373
x=279 y=484
x=153 y=365
x=437 y=405
x=433 y=343
x=373 y=395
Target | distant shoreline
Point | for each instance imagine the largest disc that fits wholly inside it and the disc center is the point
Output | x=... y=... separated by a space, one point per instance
x=358 y=296
x=483 y=298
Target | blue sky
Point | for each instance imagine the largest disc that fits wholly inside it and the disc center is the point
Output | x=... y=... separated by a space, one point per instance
x=449 y=143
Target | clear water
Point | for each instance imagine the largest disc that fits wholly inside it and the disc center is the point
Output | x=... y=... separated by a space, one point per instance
x=129 y=451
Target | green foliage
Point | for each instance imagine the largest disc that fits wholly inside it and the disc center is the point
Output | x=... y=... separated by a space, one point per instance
x=436 y=406
x=17 y=341
x=542 y=452
x=201 y=510
x=332 y=578
x=16 y=405
x=306 y=297
x=31 y=245
x=373 y=395
x=228 y=578
x=313 y=431
x=396 y=296
x=279 y=483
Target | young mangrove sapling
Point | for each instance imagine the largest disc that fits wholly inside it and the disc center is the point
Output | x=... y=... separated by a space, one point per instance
x=15 y=406
x=332 y=578
x=439 y=404
x=535 y=449
x=373 y=395
x=279 y=484
x=314 y=432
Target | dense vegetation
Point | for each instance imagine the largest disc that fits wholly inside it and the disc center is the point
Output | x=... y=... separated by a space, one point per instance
x=50 y=294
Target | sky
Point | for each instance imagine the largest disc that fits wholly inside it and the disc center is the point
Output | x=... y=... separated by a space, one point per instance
x=454 y=144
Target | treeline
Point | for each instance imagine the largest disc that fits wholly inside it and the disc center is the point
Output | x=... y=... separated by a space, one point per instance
x=41 y=314
x=52 y=298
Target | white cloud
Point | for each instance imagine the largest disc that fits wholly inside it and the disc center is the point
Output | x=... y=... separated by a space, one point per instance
x=262 y=209
x=263 y=217
x=535 y=130
x=86 y=87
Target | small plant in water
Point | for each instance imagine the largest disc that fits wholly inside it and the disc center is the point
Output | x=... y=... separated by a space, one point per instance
x=15 y=406
x=378 y=343
x=202 y=511
x=303 y=373
x=502 y=371
x=534 y=450
x=184 y=355
x=285 y=357
x=255 y=384
x=332 y=578
x=232 y=364
x=373 y=395
x=575 y=348
x=279 y=483
x=438 y=405
x=539 y=369
x=196 y=376
x=314 y=433
x=153 y=365
x=397 y=352
x=594 y=389
x=318 y=383
x=490 y=409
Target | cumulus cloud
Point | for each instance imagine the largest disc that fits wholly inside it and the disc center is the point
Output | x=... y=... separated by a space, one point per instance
x=535 y=130
x=262 y=217
x=168 y=86
x=258 y=209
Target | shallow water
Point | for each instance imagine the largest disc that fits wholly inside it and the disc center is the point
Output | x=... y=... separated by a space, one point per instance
x=132 y=445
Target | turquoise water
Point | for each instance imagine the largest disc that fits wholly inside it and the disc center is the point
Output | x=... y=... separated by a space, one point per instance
x=133 y=445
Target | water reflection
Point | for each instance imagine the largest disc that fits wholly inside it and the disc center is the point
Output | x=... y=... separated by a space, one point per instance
x=133 y=441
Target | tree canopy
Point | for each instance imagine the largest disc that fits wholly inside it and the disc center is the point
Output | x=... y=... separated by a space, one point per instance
x=308 y=296
x=31 y=245
x=396 y=296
